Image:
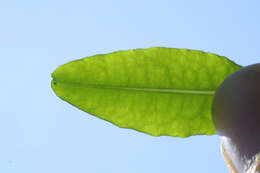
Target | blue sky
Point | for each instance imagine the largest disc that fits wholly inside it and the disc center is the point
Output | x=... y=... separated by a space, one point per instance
x=41 y=133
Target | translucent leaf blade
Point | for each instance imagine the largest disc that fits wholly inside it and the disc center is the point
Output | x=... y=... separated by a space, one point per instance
x=159 y=91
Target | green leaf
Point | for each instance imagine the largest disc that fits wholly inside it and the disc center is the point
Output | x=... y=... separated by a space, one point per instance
x=159 y=91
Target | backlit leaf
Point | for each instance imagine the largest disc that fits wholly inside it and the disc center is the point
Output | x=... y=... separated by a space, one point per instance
x=159 y=91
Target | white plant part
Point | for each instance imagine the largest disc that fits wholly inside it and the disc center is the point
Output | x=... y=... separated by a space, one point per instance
x=235 y=163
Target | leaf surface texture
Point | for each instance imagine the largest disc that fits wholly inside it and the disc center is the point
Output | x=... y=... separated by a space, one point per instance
x=159 y=91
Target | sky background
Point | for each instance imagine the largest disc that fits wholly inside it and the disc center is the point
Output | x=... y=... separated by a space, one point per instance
x=41 y=133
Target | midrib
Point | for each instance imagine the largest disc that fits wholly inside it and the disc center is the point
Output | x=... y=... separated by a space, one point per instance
x=162 y=90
